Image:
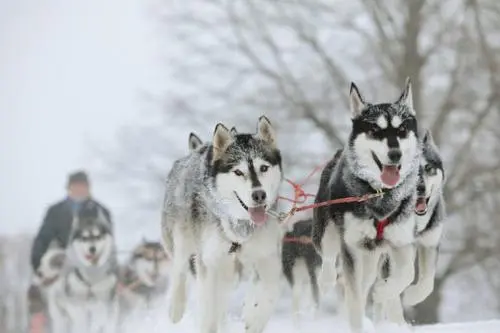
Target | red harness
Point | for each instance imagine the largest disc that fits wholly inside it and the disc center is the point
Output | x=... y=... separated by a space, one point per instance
x=380 y=228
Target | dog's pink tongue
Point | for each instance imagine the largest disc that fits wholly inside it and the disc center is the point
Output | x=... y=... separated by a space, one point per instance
x=421 y=205
x=258 y=215
x=390 y=175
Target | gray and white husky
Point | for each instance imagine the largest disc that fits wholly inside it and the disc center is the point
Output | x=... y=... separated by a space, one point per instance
x=382 y=154
x=84 y=299
x=216 y=206
x=145 y=277
x=430 y=212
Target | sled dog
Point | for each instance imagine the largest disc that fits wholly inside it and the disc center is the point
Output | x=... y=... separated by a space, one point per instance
x=215 y=207
x=84 y=299
x=381 y=155
x=144 y=278
x=430 y=212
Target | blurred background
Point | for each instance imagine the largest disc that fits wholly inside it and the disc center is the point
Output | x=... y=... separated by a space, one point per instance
x=115 y=87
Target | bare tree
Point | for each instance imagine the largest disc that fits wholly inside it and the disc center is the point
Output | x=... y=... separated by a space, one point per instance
x=293 y=60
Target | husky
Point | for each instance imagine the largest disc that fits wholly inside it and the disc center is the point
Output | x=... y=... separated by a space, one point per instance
x=429 y=222
x=84 y=299
x=430 y=212
x=301 y=263
x=216 y=204
x=144 y=278
x=382 y=155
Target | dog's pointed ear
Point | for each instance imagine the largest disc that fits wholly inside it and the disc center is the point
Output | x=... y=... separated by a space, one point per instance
x=406 y=97
x=221 y=140
x=143 y=240
x=427 y=139
x=356 y=101
x=194 y=141
x=233 y=131
x=265 y=131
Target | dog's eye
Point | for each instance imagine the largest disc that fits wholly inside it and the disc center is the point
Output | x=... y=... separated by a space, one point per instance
x=264 y=168
x=430 y=170
x=373 y=130
x=238 y=172
x=402 y=131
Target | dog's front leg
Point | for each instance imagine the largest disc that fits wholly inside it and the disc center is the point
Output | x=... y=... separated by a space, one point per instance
x=261 y=299
x=111 y=325
x=58 y=318
x=329 y=254
x=359 y=268
x=402 y=274
x=77 y=314
x=427 y=258
x=215 y=281
x=176 y=295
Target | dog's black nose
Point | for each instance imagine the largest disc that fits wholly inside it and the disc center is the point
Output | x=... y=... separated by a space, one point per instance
x=259 y=196
x=420 y=191
x=394 y=155
x=92 y=250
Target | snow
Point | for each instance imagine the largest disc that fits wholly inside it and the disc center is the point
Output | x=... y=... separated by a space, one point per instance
x=325 y=321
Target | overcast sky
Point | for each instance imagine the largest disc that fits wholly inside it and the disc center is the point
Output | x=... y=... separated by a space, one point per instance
x=70 y=72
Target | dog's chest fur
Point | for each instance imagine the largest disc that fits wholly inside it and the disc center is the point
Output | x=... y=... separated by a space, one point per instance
x=78 y=287
x=358 y=221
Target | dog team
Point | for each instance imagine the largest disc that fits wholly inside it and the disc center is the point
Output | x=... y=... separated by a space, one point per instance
x=377 y=216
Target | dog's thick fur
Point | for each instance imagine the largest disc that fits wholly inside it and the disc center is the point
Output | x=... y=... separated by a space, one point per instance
x=145 y=276
x=429 y=228
x=215 y=205
x=301 y=263
x=382 y=153
x=429 y=224
x=84 y=298
x=194 y=143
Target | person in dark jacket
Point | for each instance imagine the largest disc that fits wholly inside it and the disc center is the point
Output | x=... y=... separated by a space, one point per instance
x=57 y=223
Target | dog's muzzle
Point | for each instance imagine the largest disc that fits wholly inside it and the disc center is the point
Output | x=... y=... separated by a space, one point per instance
x=389 y=172
x=258 y=214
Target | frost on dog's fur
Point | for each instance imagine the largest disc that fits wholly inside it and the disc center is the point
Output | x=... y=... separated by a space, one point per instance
x=382 y=153
x=215 y=202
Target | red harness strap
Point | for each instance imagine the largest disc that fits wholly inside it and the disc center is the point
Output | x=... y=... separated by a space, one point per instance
x=300 y=240
x=380 y=228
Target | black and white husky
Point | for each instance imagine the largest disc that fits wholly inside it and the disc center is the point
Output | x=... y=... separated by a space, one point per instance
x=216 y=206
x=144 y=278
x=84 y=299
x=430 y=212
x=429 y=222
x=301 y=264
x=382 y=154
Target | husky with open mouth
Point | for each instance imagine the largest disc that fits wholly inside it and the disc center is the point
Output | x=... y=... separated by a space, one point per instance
x=381 y=155
x=216 y=206
x=429 y=221
x=84 y=297
x=430 y=212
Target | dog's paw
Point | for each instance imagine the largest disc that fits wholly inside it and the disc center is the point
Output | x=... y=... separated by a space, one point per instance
x=415 y=294
x=175 y=313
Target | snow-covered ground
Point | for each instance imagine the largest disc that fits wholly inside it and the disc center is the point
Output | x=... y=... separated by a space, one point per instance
x=326 y=321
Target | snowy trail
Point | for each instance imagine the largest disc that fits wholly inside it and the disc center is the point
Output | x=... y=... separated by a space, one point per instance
x=321 y=325
x=282 y=321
